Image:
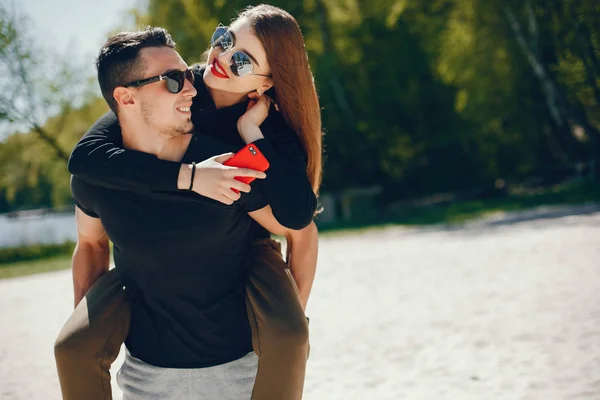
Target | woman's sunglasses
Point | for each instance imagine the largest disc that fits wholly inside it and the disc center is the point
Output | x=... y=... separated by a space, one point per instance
x=240 y=62
x=175 y=80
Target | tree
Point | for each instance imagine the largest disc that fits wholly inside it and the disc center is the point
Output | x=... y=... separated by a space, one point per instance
x=51 y=106
x=37 y=88
x=559 y=108
x=417 y=96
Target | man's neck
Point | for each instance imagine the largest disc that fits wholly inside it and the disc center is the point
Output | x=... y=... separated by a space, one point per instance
x=141 y=137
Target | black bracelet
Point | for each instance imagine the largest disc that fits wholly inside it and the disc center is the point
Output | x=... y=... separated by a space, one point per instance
x=193 y=173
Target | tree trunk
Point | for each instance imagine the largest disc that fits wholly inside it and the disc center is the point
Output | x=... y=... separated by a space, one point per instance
x=548 y=86
x=51 y=141
x=555 y=102
x=329 y=57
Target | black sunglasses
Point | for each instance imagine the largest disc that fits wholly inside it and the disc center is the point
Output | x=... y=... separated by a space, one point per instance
x=175 y=80
x=240 y=62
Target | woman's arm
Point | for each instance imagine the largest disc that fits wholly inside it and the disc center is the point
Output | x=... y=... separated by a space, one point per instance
x=286 y=187
x=100 y=158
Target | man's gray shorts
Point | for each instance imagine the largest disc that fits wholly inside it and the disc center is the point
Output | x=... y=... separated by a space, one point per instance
x=231 y=381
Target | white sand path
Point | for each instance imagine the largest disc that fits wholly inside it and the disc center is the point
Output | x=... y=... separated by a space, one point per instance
x=503 y=308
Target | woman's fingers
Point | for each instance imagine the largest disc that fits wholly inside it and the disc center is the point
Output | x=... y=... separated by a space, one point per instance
x=240 y=186
x=221 y=158
x=246 y=172
x=224 y=199
x=231 y=195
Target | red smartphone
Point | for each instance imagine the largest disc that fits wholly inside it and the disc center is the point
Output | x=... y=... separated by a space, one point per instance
x=248 y=157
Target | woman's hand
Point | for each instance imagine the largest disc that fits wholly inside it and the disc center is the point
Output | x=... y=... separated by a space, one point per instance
x=214 y=180
x=256 y=113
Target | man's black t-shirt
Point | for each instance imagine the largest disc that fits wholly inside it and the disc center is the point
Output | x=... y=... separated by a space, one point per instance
x=181 y=257
x=189 y=248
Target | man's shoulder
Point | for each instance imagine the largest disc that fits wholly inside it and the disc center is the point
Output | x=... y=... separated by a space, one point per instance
x=78 y=184
x=83 y=189
x=86 y=192
x=83 y=196
x=107 y=123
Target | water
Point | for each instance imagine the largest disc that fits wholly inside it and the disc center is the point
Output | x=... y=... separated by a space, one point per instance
x=37 y=228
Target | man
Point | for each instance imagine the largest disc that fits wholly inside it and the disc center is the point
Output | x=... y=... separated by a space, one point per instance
x=179 y=255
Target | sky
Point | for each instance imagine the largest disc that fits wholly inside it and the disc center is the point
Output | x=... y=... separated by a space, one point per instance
x=71 y=28
x=78 y=26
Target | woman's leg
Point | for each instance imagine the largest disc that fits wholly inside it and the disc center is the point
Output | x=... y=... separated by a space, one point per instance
x=91 y=339
x=279 y=326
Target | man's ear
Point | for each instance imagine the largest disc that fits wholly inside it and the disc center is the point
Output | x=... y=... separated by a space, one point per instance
x=123 y=96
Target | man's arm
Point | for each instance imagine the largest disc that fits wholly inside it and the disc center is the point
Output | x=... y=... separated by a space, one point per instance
x=302 y=249
x=91 y=257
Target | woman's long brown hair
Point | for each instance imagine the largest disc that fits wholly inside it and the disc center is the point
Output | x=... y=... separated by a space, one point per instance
x=293 y=81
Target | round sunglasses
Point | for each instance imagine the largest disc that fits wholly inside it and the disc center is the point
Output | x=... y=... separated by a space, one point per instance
x=240 y=62
x=175 y=80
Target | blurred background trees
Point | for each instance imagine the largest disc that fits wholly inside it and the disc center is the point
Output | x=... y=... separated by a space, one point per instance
x=45 y=106
x=418 y=97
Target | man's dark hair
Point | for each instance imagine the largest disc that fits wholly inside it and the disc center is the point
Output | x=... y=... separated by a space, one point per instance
x=119 y=63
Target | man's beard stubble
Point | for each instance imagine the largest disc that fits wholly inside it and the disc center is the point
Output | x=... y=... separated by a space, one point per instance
x=149 y=116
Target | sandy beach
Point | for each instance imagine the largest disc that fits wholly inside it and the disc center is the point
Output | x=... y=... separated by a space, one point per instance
x=506 y=307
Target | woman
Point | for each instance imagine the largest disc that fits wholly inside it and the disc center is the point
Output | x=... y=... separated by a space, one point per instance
x=262 y=51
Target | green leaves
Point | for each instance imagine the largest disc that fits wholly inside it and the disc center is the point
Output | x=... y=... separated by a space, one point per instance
x=436 y=92
x=417 y=96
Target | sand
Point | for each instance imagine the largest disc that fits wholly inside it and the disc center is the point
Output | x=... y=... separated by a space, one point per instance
x=506 y=307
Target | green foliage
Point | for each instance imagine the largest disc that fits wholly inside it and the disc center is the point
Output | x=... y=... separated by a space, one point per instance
x=23 y=268
x=38 y=95
x=32 y=175
x=417 y=96
x=25 y=253
x=451 y=212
